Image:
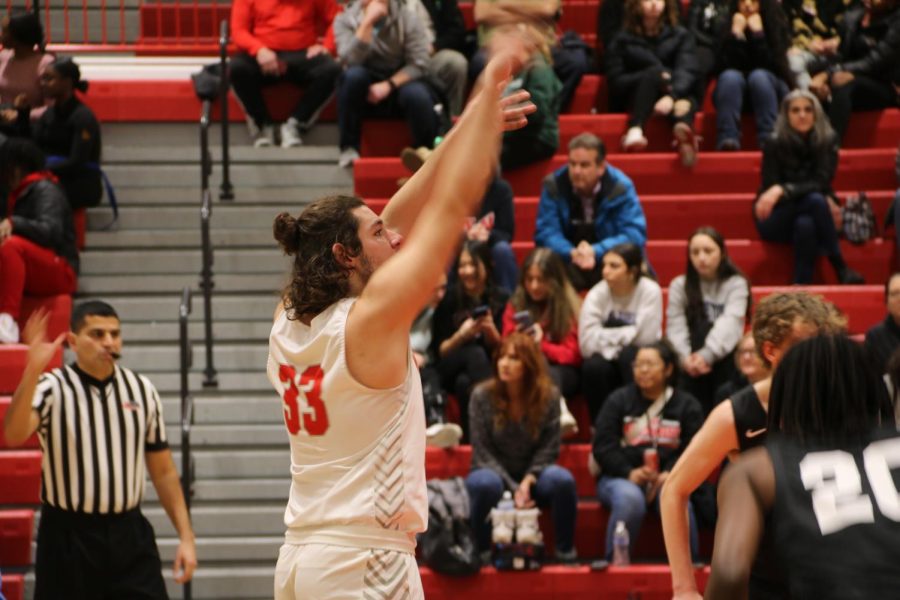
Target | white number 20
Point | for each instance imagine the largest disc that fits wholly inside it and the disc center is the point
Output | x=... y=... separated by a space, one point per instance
x=836 y=485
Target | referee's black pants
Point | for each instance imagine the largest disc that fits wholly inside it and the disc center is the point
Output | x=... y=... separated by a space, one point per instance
x=97 y=557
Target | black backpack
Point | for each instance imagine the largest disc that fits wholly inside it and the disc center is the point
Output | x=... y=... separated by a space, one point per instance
x=448 y=546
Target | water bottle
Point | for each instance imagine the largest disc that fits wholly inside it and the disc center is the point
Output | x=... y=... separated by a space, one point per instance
x=503 y=519
x=621 y=543
x=506 y=502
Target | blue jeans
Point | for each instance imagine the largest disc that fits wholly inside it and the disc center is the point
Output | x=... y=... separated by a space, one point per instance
x=413 y=101
x=506 y=270
x=626 y=502
x=807 y=224
x=555 y=487
x=765 y=92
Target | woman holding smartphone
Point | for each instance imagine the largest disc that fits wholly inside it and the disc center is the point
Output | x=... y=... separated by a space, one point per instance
x=466 y=325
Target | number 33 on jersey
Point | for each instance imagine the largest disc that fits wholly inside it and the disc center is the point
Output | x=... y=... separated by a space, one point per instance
x=304 y=409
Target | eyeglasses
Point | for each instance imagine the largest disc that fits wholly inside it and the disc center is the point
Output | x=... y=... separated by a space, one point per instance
x=646 y=364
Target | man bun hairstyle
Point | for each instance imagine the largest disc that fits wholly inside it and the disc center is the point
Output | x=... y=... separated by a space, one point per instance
x=318 y=279
x=68 y=69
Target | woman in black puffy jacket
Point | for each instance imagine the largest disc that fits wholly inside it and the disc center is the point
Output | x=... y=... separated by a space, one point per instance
x=652 y=68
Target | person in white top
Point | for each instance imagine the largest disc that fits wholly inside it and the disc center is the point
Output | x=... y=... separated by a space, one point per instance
x=340 y=359
x=621 y=313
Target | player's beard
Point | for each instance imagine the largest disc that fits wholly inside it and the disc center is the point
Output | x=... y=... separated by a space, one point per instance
x=365 y=269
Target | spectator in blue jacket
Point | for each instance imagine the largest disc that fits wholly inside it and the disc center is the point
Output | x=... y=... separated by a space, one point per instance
x=586 y=208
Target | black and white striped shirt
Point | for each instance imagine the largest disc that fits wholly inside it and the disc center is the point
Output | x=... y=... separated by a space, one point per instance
x=94 y=435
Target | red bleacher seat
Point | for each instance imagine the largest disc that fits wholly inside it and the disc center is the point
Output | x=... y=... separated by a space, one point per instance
x=657 y=173
x=555 y=582
x=13 y=358
x=20 y=472
x=31 y=442
x=79 y=221
x=13 y=586
x=59 y=307
x=15 y=538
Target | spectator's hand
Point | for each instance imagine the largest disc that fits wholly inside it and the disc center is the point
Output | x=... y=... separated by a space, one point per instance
x=6 y=229
x=817 y=46
x=767 y=201
x=738 y=25
x=185 y=561
x=818 y=85
x=830 y=46
x=701 y=367
x=754 y=23
x=315 y=50
x=268 y=62
x=641 y=475
x=656 y=485
x=40 y=349
x=375 y=11
x=691 y=595
x=419 y=359
x=841 y=78
x=8 y=115
x=536 y=332
x=478 y=233
x=468 y=330
x=488 y=329
x=523 y=492
x=378 y=91
x=21 y=102
x=664 y=105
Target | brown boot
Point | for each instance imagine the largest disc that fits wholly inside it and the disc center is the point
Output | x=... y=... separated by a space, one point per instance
x=687 y=142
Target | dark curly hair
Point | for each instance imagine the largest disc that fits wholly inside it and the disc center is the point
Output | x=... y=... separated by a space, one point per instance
x=318 y=280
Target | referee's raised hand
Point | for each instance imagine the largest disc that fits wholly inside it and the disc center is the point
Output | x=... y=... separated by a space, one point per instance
x=41 y=349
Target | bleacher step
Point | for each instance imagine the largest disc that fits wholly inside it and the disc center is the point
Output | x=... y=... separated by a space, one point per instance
x=257 y=175
x=166 y=357
x=227 y=549
x=222 y=410
x=109 y=262
x=188 y=194
x=245 y=518
x=225 y=215
x=253 y=380
x=223 y=330
x=244 y=307
x=230 y=490
x=248 y=464
x=225 y=283
x=221 y=237
x=244 y=583
x=239 y=154
x=231 y=436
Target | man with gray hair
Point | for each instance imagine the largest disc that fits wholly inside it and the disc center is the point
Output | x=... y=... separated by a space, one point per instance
x=587 y=207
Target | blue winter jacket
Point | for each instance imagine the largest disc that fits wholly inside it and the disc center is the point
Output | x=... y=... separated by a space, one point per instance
x=618 y=216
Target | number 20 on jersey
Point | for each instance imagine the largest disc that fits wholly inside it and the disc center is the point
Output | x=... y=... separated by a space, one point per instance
x=302 y=399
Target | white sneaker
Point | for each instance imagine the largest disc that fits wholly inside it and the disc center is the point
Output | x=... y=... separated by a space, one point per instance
x=290 y=134
x=348 y=157
x=443 y=435
x=527 y=529
x=264 y=137
x=9 y=329
x=634 y=140
x=504 y=525
x=568 y=426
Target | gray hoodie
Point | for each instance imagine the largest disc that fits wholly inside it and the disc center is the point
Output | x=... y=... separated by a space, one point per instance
x=399 y=41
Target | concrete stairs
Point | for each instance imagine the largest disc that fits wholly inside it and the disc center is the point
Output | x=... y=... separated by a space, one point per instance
x=240 y=447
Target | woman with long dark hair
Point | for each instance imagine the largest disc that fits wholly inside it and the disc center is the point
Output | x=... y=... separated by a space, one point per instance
x=622 y=312
x=648 y=416
x=706 y=313
x=515 y=443
x=466 y=325
x=799 y=163
x=652 y=68
x=754 y=63
x=552 y=306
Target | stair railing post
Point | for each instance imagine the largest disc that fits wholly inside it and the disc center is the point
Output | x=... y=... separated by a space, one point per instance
x=207 y=284
x=226 y=190
x=187 y=408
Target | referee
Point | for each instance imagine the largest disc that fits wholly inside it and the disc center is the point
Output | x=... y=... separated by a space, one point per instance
x=98 y=424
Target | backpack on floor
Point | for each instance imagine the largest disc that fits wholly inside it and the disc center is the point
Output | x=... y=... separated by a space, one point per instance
x=448 y=546
x=858 y=219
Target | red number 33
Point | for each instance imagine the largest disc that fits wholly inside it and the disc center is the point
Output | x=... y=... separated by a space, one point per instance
x=310 y=385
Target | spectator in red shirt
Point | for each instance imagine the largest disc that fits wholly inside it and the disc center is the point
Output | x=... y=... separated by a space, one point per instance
x=278 y=41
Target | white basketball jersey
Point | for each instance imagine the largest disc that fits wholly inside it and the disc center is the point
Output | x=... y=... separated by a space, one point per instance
x=357 y=453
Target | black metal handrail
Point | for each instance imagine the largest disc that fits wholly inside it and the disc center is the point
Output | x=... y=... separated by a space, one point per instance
x=206 y=286
x=206 y=164
x=187 y=408
x=226 y=190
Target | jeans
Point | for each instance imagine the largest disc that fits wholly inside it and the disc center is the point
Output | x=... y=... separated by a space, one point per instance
x=555 y=488
x=862 y=93
x=626 y=502
x=413 y=101
x=806 y=223
x=451 y=69
x=640 y=91
x=317 y=75
x=506 y=269
x=461 y=369
x=765 y=92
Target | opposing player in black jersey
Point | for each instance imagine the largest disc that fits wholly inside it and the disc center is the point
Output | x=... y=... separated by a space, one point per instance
x=824 y=487
x=735 y=425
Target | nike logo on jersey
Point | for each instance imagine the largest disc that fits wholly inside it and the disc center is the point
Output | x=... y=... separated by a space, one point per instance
x=752 y=433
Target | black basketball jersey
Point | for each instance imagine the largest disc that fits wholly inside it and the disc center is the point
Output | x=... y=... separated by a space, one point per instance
x=750 y=418
x=836 y=518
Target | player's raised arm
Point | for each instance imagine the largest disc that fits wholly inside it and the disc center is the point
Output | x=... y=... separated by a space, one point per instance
x=378 y=326
x=746 y=493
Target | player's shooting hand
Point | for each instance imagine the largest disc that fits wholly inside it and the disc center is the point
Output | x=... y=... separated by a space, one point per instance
x=185 y=561
x=516 y=108
x=41 y=349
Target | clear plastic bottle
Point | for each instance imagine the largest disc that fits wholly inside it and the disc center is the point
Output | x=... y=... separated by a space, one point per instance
x=621 y=546
x=506 y=502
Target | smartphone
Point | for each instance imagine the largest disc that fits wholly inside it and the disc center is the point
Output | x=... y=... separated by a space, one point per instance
x=480 y=311
x=599 y=565
x=523 y=320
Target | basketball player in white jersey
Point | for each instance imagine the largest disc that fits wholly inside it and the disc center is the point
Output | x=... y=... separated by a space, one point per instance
x=339 y=357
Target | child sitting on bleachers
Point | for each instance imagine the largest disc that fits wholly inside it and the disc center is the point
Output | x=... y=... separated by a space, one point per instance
x=22 y=60
x=37 y=238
